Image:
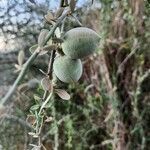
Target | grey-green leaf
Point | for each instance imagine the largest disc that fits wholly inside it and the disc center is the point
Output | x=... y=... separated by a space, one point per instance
x=49 y=17
x=37 y=98
x=35 y=107
x=62 y=94
x=33 y=48
x=21 y=57
x=42 y=37
x=46 y=84
x=57 y=32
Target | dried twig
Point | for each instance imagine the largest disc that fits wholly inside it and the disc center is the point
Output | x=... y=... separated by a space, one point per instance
x=126 y=60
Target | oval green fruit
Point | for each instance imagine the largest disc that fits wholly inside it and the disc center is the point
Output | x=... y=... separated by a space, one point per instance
x=80 y=42
x=67 y=70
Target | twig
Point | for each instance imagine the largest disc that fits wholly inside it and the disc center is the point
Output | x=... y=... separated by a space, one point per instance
x=39 y=132
x=56 y=135
x=45 y=102
x=56 y=138
x=29 y=62
x=126 y=60
x=50 y=66
x=44 y=95
x=138 y=91
x=77 y=20
x=146 y=75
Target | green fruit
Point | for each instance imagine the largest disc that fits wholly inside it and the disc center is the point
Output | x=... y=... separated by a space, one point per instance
x=80 y=42
x=67 y=70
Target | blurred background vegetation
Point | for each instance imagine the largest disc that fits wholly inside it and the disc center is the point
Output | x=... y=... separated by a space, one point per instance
x=109 y=107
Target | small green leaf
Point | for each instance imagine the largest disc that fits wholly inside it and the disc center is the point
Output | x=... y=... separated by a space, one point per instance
x=33 y=48
x=50 y=42
x=21 y=57
x=36 y=98
x=18 y=68
x=35 y=107
x=46 y=84
x=57 y=32
x=50 y=15
x=42 y=37
x=62 y=94
x=49 y=18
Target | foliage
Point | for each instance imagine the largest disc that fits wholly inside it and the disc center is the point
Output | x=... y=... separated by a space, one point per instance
x=109 y=107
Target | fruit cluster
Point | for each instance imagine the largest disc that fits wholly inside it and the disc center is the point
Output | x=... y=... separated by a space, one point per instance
x=77 y=43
